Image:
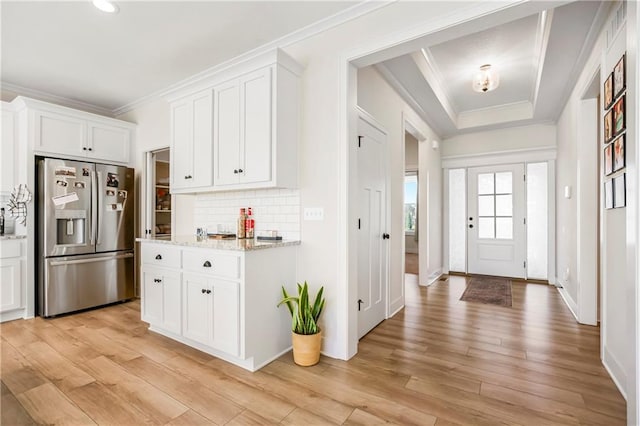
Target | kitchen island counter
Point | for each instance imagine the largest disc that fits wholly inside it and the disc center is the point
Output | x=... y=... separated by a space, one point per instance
x=216 y=244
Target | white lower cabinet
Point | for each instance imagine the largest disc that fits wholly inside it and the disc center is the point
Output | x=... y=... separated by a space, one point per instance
x=211 y=312
x=222 y=302
x=12 y=279
x=161 y=295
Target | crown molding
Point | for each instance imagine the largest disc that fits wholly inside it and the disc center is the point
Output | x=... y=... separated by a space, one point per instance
x=55 y=99
x=325 y=24
x=545 y=19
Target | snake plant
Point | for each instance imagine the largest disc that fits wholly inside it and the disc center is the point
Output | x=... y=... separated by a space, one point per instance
x=304 y=316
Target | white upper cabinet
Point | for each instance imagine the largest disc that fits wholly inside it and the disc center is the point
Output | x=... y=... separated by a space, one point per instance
x=8 y=144
x=68 y=133
x=191 y=142
x=254 y=133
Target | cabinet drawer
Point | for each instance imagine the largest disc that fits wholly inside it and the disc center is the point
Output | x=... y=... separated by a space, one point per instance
x=214 y=263
x=160 y=255
x=10 y=248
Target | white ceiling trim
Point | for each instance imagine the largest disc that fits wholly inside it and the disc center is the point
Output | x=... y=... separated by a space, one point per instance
x=427 y=66
x=542 y=42
x=403 y=92
x=498 y=114
x=60 y=100
x=339 y=18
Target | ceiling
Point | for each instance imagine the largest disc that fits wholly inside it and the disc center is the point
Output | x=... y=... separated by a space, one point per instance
x=73 y=51
x=538 y=58
x=73 y=54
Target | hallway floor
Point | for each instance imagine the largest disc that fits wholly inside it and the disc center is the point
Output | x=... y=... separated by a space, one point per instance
x=440 y=361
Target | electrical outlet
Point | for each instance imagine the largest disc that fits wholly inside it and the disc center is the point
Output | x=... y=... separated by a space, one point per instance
x=313 y=213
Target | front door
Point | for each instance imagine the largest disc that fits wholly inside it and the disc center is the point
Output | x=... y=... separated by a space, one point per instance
x=372 y=238
x=496 y=222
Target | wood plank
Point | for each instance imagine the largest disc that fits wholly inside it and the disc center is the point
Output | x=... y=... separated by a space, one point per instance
x=17 y=373
x=155 y=404
x=46 y=404
x=11 y=411
x=190 y=418
x=362 y=418
x=300 y=416
x=105 y=407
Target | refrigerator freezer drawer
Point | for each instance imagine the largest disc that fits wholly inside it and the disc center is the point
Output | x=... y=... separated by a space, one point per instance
x=80 y=282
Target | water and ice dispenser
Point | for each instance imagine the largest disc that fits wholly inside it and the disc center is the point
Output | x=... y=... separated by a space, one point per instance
x=71 y=227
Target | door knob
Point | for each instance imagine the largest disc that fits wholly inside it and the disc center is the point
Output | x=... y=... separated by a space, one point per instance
x=360 y=302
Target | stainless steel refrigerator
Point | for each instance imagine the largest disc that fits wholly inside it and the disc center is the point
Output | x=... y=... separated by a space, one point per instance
x=86 y=235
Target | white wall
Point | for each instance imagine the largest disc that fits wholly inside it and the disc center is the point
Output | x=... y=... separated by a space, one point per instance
x=619 y=285
x=509 y=139
x=378 y=98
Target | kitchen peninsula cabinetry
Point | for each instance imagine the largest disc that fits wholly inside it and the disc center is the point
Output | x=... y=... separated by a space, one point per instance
x=60 y=131
x=219 y=296
x=191 y=142
x=253 y=138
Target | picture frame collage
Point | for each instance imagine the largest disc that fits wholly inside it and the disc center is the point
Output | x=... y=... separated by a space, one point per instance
x=614 y=136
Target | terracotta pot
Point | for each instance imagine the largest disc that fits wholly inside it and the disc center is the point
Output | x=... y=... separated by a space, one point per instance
x=306 y=348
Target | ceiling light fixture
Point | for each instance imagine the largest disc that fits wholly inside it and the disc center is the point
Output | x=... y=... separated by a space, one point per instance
x=486 y=80
x=105 y=6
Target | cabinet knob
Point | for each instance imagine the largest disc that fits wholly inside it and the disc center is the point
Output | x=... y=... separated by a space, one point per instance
x=159 y=257
x=206 y=264
x=235 y=171
x=208 y=291
x=204 y=291
x=240 y=170
x=84 y=148
x=90 y=149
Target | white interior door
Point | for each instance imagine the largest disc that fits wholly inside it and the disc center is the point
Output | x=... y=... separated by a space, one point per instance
x=372 y=237
x=496 y=230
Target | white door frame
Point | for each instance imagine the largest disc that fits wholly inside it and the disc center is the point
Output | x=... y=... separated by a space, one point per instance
x=475 y=18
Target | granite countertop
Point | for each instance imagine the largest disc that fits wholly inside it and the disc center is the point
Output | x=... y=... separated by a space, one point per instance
x=12 y=237
x=210 y=243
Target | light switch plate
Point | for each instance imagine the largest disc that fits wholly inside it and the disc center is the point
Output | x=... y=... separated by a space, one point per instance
x=313 y=213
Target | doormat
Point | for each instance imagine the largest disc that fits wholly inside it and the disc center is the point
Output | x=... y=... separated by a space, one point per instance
x=488 y=290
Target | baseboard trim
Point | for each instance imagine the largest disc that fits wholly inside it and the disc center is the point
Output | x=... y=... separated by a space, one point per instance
x=396 y=311
x=571 y=304
x=612 y=366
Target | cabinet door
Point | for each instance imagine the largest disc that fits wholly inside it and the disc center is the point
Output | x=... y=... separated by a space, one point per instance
x=202 y=105
x=226 y=316
x=59 y=134
x=10 y=284
x=152 y=295
x=196 y=308
x=172 y=302
x=108 y=142
x=181 y=145
x=256 y=130
x=226 y=133
x=8 y=143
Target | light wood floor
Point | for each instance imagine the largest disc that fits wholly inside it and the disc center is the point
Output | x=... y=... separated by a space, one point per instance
x=439 y=361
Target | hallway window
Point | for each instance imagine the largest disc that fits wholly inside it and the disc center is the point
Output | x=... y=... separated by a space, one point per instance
x=458 y=220
x=410 y=202
x=537 y=220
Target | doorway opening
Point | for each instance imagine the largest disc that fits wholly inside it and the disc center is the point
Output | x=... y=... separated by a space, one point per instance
x=411 y=229
x=158 y=201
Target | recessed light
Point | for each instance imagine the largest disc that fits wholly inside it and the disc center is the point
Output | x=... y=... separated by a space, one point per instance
x=105 y=6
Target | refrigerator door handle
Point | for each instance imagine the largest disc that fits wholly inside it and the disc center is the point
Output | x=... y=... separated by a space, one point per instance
x=100 y=204
x=94 y=207
x=93 y=259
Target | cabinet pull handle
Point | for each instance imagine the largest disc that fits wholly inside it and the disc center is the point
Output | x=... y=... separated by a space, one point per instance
x=208 y=291
x=157 y=280
x=159 y=257
x=206 y=264
x=203 y=291
x=188 y=177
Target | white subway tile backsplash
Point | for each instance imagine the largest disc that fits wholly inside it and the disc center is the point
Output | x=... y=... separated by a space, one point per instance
x=273 y=209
